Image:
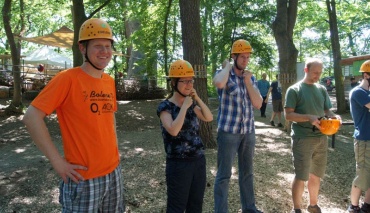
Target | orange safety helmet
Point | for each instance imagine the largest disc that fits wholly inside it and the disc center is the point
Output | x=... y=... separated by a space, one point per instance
x=365 y=67
x=329 y=126
x=241 y=46
x=181 y=69
x=95 y=28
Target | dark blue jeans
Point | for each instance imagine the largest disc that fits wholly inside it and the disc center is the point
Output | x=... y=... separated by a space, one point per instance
x=228 y=146
x=186 y=182
x=263 y=107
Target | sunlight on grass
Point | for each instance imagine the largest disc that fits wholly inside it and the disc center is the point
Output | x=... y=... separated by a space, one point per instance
x=139 y=150
x=276 y=147
x=20 y=150
x=11 y=119
x=269 y=140
x=287 y=178
x=23 y=200
x=125 y=142
x=135 y=114
x=123 y=102
x=53 y=116
x=259 y=124
x=53 y=193
x=332 y=210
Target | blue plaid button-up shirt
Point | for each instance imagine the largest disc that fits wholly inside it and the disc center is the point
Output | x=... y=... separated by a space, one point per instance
x=235 y=113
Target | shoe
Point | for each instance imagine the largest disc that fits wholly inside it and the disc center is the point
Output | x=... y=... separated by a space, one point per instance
x=263 y=116
x=272 y=123
x=353 y=209
x=280 y=125
x=296 y=211
x=362 y=210
x=314 y=209
x=365 y=208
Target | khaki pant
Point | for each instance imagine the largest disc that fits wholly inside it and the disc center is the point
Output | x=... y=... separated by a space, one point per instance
x=309 y=156
x=362 y=156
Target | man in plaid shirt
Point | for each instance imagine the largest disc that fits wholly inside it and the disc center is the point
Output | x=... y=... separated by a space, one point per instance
x=238 y=95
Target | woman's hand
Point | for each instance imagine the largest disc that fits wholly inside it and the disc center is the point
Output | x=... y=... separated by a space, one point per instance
x=194 y=94
x=187 y=102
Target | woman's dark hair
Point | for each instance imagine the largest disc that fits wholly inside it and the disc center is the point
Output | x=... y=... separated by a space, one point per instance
x=173 y=84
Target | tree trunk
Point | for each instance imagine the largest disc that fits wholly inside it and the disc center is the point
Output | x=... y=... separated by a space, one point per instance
x=165 y=35
x=15 y=48
x=351 y=43
x=210 y=35
x=334 y=37
x=133 y=70
x=79 y=17
x=193 y=52
x=283 y=32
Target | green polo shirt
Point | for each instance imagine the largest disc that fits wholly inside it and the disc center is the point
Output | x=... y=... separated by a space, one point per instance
x=307 y=99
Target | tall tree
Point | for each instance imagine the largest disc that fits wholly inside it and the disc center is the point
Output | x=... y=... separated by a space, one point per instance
x=78 y=17
x=334 y=37
x=283 y=27
x=193 y=52
x=16 y=105
x=165 y=35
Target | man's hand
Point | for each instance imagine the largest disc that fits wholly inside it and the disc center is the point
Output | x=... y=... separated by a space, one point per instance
x=67 y=170
x=314 y=120
x=226 y=64
x=247 y=76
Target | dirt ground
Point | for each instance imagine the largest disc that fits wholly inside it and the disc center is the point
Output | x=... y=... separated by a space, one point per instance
x=29 y=184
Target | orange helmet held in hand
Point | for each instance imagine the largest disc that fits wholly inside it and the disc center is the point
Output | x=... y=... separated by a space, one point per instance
x=329 y=126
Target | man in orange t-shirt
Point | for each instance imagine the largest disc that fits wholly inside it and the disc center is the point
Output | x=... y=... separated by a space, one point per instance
x=85 y=102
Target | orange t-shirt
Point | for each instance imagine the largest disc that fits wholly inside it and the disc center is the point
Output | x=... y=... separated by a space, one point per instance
x=85 y=108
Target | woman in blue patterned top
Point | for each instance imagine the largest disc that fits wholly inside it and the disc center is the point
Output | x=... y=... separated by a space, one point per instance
x=185 y=161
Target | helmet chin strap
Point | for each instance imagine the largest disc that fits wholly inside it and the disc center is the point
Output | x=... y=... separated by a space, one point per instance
x=177 y=90
x=87 y=60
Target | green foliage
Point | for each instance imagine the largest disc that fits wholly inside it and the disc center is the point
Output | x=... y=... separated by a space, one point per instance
x=222 y=22
x=211 y=89
x=230 y=20
x=312 y=34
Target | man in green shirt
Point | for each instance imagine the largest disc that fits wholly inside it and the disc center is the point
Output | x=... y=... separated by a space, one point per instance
x=305 y=102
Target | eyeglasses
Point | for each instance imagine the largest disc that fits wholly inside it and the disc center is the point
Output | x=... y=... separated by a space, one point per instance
x=187 y=81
